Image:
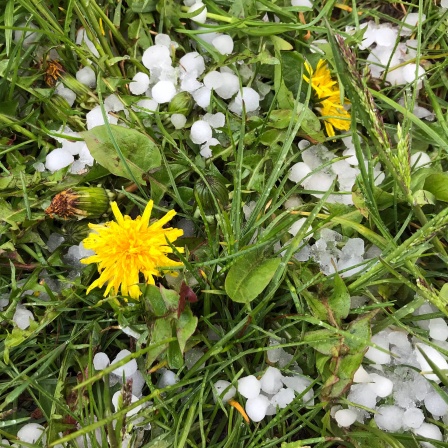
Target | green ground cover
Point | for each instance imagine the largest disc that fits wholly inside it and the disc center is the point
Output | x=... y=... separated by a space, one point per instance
x=223 y=224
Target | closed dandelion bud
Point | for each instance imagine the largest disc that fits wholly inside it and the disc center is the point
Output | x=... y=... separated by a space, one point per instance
x=77 y=87
x=74 y=232
x=182 y=103
x=216 y=189
x=80 y=202
x=55 y=107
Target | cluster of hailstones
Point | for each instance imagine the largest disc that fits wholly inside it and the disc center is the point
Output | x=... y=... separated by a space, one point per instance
x=164 y=81
x=396 y=384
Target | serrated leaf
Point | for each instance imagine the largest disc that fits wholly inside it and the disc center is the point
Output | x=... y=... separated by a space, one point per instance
x=249 y=276
x=140 y=153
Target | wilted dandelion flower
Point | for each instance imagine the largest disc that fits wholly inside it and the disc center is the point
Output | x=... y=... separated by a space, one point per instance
x=128 y=247
x=328 y=96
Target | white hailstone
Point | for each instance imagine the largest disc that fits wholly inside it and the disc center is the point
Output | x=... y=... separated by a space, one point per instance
x=139 y=84
x=283 y=397
x=95 y=118
x=361 y=376
x=387 y=37
x=299 y=383
x=413 y=418
x=298 y=171
x=202 y=16
x=54 y=241
x=113 y=103
x=303 y=144
x=22 y=317
x=419 y=159
x=148 y=106
x=399 y=338
x=39 y=166
x=217 y=120
x=30 y=36
x=168 y=378
x=66 y=93
x=202 y=97
x=303 y=255
x=273 y=354
x=444 y=3
x=85 y=156
x=206 y=150
x=411 y=72
x=117 y=403
x=256 y=408
x=249 y=97
x=190 y=2
x=81 y=37
x=73 y=147
x=163 y=39
x=86 y=76
x=396 y=77
x=303 y=3
x=127 y=369
x=163 y=92
x=428 y=431
x=319 y=181
x=130 y=332
x=223 y=43
x=293 y=202
x=362 y=395
x=271 y=381
x=178 y=120
x=100 y=361
x=156 y=56
x=230 y=85
x=426 y=308
x=351 y=159
x=389 y=418
x=189 y=82
x=411 y=19
x=192 y=62
x=31 y=433
x=208 y=35
x=213 y=80
x=345 y=417
x=375 y=355
x=297 y=226
x=354 y=246
x=422 y=112
x=200 y=132
x=381 y=385
x=138 y=383
x=434 y=356
x=435 y=404
x=249 y=386
x=438 y=329
x=57 y=159
x=224 y=390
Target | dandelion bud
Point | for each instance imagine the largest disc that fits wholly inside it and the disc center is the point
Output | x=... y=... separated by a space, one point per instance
x=80 y=202
x=216 y=189
x=182 y=103
x=74 y=232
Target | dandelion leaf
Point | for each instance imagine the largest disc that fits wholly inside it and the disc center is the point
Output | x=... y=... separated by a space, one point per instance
x=139 y=153
x=437 y=184
x=249 y=276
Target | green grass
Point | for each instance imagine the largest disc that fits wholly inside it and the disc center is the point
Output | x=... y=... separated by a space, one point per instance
x=47 y=374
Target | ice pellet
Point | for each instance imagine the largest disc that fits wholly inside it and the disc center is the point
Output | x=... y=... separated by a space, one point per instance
x=163 y=92
x=256 y=408
x=200 y=132
x=220 y=387
x=86 y=76
x=223 y=43
x=249 y=386
x=139 y=84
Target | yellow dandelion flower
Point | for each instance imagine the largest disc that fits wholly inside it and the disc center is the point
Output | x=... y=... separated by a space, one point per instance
x=128 y=247
x=328 y=97
x=334 y=116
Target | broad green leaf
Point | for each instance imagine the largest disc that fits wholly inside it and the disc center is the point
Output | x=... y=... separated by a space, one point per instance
x=160 y=330
x=249 y=276
x=171 y=298
x=140 y=153
x=323 y=341
x=339 y=301
x=423 y=197
x=185 y=327
x=154 y=296
x=437 y=184
x=175 y=356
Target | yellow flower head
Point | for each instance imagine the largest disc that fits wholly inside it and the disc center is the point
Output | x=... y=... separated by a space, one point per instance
x=129 y=246
x=329 y=97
